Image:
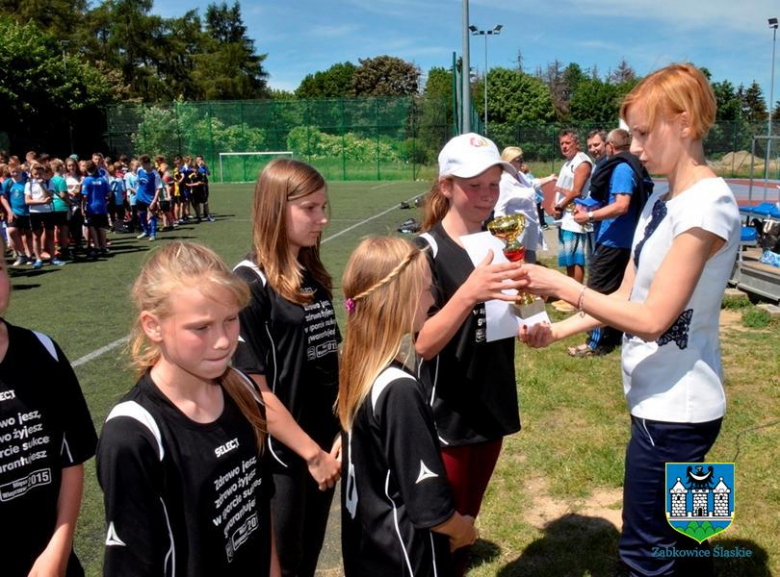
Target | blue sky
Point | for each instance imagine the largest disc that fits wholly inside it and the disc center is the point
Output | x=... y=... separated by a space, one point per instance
x=730 y=37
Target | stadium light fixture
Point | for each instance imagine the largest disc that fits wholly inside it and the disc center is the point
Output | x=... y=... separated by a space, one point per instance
x=773 y=26
x=495 y=31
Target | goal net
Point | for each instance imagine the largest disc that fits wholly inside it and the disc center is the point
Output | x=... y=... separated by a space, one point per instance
x=245 y=166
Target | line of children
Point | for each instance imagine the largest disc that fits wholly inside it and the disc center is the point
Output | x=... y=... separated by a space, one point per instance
x=60 y=229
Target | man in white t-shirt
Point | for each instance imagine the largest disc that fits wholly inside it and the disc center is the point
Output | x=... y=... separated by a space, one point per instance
x=573 y=179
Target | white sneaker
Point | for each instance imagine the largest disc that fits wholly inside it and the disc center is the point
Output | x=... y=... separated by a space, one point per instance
x=142 y=235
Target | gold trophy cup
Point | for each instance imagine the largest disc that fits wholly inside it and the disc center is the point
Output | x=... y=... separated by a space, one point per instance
x=508 y=228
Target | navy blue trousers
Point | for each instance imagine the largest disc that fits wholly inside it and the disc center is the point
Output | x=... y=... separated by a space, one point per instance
x=645 y=528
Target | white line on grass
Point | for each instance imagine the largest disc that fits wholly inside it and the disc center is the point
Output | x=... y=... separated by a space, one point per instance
x=96 y=353
x=369 y=219
x=110 y=346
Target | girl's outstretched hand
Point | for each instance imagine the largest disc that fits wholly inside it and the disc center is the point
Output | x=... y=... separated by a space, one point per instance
x=489 y=280
x=538 y=336
x=543 y=281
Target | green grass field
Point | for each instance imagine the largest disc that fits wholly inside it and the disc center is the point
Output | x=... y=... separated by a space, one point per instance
x=554 y=504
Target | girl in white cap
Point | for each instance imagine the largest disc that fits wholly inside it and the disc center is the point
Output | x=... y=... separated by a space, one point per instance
x=469 y=381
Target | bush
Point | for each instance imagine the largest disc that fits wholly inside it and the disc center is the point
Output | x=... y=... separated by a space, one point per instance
x=756 y=318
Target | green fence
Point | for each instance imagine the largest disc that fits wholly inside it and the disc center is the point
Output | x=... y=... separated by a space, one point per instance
x=727 y=146
x=364 y=138
x=346 y=139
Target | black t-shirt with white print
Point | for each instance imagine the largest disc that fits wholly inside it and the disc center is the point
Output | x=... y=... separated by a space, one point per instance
x=296 y=348
x=393 y=485
x=45 y=427
x=183 y=498
x=471 y=382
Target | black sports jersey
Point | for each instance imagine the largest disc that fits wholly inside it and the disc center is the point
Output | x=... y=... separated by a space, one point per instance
x=296 y=348
x=45 y=426
x=471 y=382
x=394 y=487
x=182 y=498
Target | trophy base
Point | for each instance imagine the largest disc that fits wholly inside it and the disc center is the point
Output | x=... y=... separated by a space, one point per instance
x=533 y=313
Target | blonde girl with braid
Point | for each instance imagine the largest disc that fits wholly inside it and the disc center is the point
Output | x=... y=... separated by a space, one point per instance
x=181 y=458
x=398 y=513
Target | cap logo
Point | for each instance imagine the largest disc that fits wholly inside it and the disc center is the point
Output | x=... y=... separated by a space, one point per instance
x=477 y=142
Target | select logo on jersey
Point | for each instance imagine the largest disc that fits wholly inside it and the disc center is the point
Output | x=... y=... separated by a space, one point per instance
x=112 y=539
x=7 y=395
x=223 y=450
x=425 y=473
x=700 y=498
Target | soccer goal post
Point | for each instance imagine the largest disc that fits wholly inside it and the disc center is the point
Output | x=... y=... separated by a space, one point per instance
x=251 y=162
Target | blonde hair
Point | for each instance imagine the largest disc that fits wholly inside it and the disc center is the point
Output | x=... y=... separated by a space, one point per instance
x=180 y=265
x=384 y=278
x=283 y=180
x=436 y=205
x=672 y=90
x=511 y=152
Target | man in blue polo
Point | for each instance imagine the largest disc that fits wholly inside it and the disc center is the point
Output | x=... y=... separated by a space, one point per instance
x=621 y=185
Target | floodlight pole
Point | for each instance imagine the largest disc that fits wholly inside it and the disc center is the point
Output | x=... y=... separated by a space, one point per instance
x=773 y=26
x=494 y=32
x=465 y=117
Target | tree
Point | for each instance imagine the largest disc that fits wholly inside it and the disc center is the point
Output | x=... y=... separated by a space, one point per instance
x=385 y=76
x=515 y=97
x=39 y=93
x=228 y=67
x=58 y=18
x=728 y=102
x=754 y=104
x=597 y=101
x=553 y=76
x=622 y=74
x=335 y=82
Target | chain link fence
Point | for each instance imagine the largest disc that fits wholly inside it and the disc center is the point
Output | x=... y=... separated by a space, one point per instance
x=366 y=138
x=346 y=139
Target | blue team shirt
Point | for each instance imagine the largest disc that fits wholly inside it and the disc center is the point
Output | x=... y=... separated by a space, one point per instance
x=14 y=192
x=118 y=190
x=96 y=191
x=619 y=232
x=147 y=185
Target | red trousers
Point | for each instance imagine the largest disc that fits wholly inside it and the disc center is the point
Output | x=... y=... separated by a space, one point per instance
x=469 y=469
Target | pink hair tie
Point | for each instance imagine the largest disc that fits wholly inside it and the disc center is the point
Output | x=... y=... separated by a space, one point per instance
x=349 y=304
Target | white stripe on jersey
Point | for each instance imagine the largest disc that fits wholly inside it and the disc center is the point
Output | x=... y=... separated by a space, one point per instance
x=431 y=242
x=65 y=449
x=251 y=385
x=395 y=520
x=249 y=264
x=48 y=344
x=170 y=557
x=135 y=411
x=273 y=390
x=386 y=377
x=433 y=555
x=433 y=390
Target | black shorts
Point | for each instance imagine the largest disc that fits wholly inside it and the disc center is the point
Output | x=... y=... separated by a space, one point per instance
x=20 y=223
x=198 y=196
x=607 y=267
x=165 y=205
x=41 y=221
x=60 y=217
x=96 y=220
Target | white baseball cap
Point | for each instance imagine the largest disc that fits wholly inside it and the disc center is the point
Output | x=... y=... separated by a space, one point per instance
x=470 y=155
